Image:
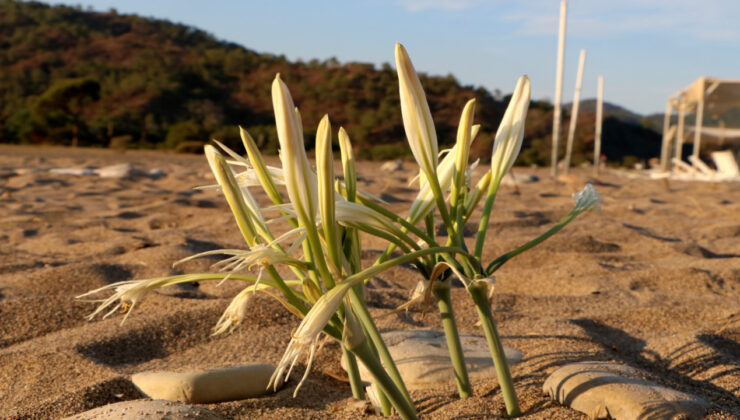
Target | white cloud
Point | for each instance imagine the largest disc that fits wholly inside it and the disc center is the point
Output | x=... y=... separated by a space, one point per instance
x=420 y=5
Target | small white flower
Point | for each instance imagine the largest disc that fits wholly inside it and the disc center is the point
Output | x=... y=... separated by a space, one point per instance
x=462 y=150
x=327 y=195
x=242 y=204
x=300 y=180
x=510 y=132
x=417 y=119
x=348 y=164
x=424 y=202
x=587 y=199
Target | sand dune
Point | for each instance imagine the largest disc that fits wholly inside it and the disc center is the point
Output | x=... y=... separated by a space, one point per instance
x=653 y=281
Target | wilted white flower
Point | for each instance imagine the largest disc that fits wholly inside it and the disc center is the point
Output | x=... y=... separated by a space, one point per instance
x=127 y=294
x=351 y=213
x=235 y=312
x=306 y=336
x=250 y=177
x=587 y=199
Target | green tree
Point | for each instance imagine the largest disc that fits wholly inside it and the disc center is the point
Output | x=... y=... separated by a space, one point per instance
x=65 y=102
x=185 y=132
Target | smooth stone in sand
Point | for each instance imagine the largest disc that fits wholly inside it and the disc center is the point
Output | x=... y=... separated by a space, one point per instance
x=72 y=171
x=392 y=166
x=424 y=361
x=516 y=179
x=610 y=390
x=147 y=410
x=119 y=171
x=207 y=386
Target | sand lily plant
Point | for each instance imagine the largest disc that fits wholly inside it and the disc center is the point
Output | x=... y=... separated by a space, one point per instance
x=448 y=186
x=321 y=247
x=321 y=244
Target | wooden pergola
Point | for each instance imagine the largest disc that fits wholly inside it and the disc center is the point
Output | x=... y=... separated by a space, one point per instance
x=706 y=94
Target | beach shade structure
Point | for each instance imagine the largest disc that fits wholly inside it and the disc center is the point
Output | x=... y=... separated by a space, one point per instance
x=705 y=96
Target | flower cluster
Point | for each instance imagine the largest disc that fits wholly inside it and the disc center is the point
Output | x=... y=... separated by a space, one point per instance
x=322 y=245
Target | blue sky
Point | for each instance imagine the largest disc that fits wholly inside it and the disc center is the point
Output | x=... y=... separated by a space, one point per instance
x=645 y=49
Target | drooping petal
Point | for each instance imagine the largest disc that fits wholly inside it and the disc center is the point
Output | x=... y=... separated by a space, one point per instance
x=306 y=335
x=235 y=312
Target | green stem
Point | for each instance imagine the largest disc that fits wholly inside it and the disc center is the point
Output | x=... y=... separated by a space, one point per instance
x=318 y=257
x=355 y=382
x=385 y=405
x=453 y=340
x=442 y=207
x=483 y=226
x=404 y=407
x=372 y=330
x=429 y=224
x=395 y=240
x=497 y=350
x=287 y=291
x=498 y=262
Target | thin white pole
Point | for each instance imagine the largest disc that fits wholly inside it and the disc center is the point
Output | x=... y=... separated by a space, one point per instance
x=665 y=163
x=599 y=117
x=558 y=89
x=574 y=112
x=679 y=133
x=699 y=118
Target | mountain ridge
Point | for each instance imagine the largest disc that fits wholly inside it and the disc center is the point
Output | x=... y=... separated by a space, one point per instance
x=157 y=84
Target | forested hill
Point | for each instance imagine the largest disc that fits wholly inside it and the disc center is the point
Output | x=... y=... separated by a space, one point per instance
x=102 y=79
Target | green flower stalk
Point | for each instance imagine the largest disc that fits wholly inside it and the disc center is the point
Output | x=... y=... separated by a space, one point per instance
x=441 y=291
x=586 y=199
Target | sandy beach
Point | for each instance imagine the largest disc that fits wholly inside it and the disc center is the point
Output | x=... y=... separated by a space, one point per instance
x=653 y=282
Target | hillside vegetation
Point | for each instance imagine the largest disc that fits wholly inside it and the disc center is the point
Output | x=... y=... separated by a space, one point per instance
x=70 y=76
